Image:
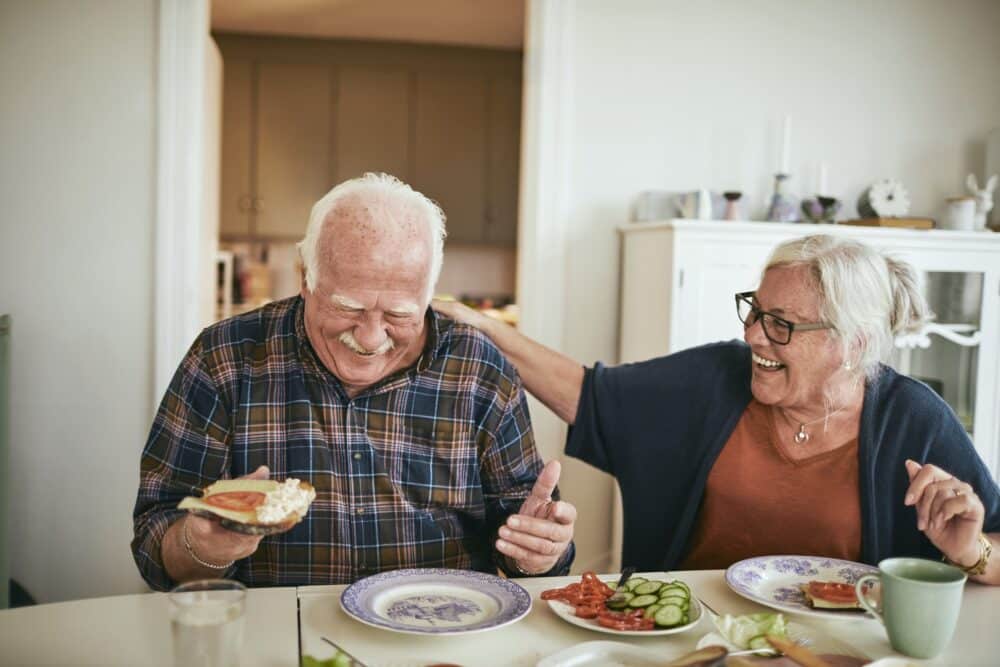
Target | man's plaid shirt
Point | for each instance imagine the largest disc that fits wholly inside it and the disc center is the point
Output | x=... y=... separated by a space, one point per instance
x=419 y=470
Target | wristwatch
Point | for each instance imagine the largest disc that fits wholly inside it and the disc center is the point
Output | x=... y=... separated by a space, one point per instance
x=979 y=567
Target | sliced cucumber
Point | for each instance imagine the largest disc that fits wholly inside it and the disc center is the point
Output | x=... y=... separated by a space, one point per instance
x=759 y=642
x=619 y=603
x=648 y=587
x=668 y=616
x=677 y=591
x=652 y=609
x=677 y=602
x=613 y=585
x=678 y=582
x=633 y=582
x=642 y=601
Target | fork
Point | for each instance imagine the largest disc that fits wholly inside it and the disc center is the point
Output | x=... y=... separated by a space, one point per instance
x=619 y=593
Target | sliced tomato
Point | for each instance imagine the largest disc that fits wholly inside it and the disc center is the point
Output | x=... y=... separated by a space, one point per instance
x=832 y=591
x=239 y=501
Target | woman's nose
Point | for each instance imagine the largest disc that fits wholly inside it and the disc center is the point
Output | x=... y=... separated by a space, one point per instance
x=754 y=334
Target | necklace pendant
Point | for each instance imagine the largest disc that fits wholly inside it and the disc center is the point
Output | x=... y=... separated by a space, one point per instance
x=801 y=436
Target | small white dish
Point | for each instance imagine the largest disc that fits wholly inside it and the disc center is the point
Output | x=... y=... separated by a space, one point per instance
x=604 y=654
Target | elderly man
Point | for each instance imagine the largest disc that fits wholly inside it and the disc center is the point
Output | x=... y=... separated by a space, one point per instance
x=413 y=429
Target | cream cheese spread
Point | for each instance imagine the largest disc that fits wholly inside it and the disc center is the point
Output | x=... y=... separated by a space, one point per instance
x=288 y=499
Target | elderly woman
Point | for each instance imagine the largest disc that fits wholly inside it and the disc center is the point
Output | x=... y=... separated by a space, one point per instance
x=797 y=441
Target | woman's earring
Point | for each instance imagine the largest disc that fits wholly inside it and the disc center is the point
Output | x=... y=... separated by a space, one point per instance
x=847 y=366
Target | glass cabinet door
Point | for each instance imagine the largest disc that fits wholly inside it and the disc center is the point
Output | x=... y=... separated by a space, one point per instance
x=945 y=355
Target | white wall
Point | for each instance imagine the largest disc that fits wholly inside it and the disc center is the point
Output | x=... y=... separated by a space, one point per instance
x=77 y=84
x=673 y=94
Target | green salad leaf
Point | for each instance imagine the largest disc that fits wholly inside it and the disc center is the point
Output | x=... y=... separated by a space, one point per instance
x=338 y=660
x=740 y=630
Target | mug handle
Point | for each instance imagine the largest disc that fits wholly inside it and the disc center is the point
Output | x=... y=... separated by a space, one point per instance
x=862 y=594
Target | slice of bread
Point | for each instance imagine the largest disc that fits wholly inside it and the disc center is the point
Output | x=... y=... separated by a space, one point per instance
x=817 y=601
x=244 y=521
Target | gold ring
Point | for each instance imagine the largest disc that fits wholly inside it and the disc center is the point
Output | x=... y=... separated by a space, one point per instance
x=957 y=492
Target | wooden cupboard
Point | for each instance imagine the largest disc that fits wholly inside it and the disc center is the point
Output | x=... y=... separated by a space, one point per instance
x=302 y=115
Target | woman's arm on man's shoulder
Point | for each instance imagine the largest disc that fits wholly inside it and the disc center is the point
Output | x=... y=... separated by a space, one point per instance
x=550 y=376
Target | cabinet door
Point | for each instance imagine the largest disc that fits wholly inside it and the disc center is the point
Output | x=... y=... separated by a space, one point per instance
x=293 y=146
x=503 y=159
x=235 y=210
x=371 y=125
x=450 y=149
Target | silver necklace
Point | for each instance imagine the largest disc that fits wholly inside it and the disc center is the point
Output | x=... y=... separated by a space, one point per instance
x=802 y=437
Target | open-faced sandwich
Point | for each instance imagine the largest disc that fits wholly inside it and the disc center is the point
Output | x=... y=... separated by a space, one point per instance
x=831 y=595
x=253 y=506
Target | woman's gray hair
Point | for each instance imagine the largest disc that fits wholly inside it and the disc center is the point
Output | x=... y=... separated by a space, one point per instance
x=868 y=296
x=388 y=196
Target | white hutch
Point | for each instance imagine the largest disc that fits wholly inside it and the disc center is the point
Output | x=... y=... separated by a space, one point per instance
x=678 y=278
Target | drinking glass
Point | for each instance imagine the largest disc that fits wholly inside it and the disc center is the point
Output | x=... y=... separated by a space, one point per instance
x=206 y=620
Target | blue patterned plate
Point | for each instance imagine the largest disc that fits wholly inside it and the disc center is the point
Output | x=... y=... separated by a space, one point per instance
x=774 y=581
x=435 y=601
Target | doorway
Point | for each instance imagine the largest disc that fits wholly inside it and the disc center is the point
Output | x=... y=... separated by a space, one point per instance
x=429 y=92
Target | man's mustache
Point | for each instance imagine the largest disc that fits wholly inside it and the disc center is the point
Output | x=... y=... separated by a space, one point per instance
x=348 y=339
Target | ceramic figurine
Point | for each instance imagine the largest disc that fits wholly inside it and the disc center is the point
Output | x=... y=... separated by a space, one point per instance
x=984 y=198
x=782 y=208
x=821 y=209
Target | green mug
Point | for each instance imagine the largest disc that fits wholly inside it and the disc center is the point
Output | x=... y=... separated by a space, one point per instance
x=921 y=600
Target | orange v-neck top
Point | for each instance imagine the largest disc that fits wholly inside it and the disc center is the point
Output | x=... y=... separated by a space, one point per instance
x=759 y=501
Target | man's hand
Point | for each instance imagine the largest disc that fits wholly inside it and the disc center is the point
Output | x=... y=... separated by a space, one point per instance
x=948 y=511
x=209 y=541
x=538 y=535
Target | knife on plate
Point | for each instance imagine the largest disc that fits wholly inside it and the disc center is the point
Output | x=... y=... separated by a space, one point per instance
x=620 y=589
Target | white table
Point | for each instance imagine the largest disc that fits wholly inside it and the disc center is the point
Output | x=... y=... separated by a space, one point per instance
x=541 y=632
x=135 y=630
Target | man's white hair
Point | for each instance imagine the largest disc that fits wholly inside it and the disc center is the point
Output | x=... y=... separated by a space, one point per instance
x=868 y=296
x=386 y=196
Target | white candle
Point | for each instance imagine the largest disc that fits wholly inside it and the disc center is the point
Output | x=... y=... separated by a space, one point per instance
x=786 y=145
x=821 y=180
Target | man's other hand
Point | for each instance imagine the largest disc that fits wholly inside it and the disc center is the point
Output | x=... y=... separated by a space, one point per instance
x=538 y=535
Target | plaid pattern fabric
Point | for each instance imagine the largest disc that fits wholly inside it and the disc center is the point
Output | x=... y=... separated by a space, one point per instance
x=417 y=471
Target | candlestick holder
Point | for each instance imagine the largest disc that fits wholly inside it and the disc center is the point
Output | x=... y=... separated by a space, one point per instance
x=782 y=208
x=820 y=209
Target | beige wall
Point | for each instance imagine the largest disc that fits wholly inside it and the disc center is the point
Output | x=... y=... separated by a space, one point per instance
x=672 y=94
x=76 y=226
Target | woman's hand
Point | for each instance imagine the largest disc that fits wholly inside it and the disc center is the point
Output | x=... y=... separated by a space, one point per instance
x=460 y=313
x=948 y=511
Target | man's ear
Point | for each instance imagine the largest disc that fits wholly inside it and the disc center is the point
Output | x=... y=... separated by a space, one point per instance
x=302 y=280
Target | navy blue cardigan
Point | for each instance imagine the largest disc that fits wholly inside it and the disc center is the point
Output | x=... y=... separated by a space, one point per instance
x=659 y=425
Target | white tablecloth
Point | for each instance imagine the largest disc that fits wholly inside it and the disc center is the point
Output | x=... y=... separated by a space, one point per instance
x=542 y=633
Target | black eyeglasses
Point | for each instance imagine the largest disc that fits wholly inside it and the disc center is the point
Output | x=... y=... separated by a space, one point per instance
x=777 y=329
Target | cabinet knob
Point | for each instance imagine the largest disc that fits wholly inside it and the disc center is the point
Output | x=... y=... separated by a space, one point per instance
x=258 y=204
x=244 y=203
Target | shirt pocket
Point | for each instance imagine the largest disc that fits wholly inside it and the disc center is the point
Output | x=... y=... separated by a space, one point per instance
x=438 y=468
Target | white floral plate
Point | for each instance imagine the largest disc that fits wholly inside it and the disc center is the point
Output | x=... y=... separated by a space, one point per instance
x=435 y=601
x=774 y=581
